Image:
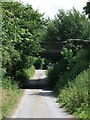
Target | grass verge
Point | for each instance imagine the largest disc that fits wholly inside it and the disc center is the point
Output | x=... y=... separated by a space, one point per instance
x=10 y=96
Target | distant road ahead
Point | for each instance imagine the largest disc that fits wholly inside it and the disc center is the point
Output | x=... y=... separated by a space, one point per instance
x=39 y=103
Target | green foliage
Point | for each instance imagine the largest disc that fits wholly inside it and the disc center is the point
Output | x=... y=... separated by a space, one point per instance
x=8 y=91
x=78 y=63
x=67 y=25
x=25 y=75
x=20 y=42
x=87 y=9
x=67 y=54
x=54 y=73
x=47 y=63
x=22 y=31
x=70 y=83
x=39 y=63
x=76 y=97
x=29 y=73
x=7 y=84
x=20 y=35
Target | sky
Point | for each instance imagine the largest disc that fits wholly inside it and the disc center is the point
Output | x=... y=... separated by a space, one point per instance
x=51 y=7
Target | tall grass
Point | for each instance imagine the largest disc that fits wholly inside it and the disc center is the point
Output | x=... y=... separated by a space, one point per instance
x=10 y=95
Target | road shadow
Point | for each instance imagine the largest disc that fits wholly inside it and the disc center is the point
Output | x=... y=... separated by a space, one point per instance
x=43 y=93
x=36 y=84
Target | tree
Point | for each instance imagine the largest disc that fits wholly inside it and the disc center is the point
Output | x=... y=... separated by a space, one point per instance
x=68 y=25
x=19 y=36
x=87 y=9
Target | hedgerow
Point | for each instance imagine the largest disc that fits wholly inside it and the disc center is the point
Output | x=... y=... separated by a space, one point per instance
x=20 y=42
x=75 y=97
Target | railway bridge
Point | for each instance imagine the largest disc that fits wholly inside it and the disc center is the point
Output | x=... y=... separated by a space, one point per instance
x=52 y=49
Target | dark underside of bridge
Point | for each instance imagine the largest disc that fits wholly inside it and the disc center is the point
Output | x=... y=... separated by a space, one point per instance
x=50 y=54
x=52 y=50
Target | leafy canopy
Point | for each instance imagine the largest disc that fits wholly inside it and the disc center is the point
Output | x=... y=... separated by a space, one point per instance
x=20 y=33
x=67 y=25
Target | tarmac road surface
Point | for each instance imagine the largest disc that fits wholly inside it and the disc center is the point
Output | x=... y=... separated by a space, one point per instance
x=39 y=103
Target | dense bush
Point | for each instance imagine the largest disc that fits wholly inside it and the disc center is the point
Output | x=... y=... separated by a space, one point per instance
x=39 y=63
x=25 y=75
x=54 y=73
x=78 y=63
x=76 y=96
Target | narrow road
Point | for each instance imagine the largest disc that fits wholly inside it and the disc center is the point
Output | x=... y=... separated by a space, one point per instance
x=39 y=103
